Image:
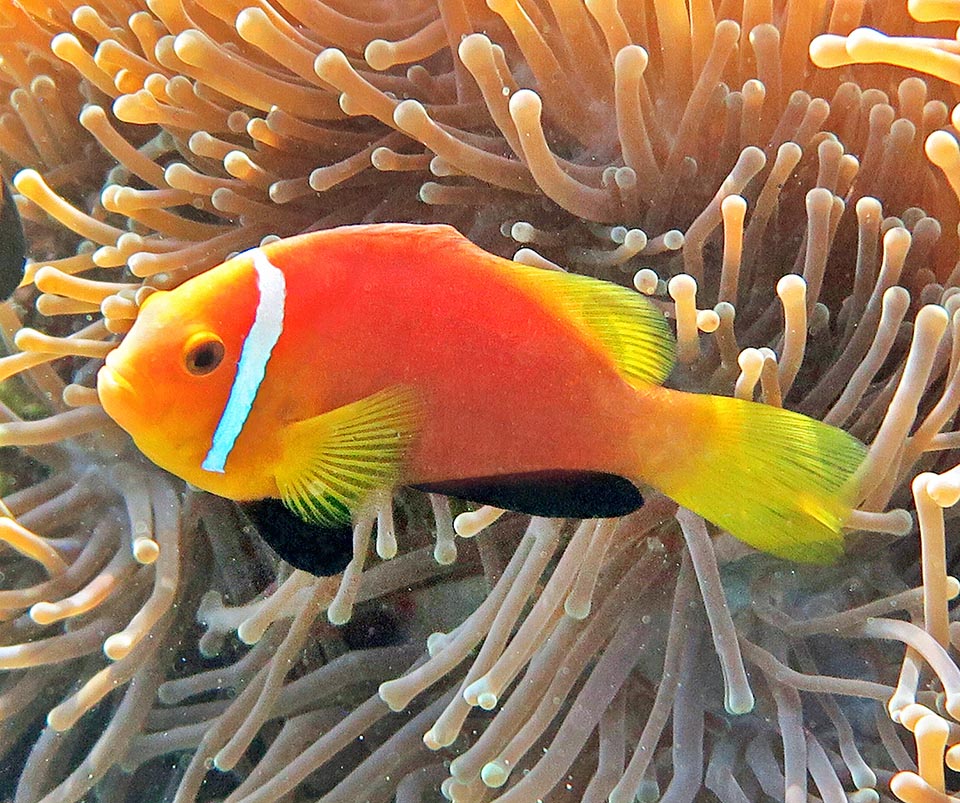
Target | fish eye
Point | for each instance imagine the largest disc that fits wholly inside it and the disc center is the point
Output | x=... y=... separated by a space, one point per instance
x=203 y=353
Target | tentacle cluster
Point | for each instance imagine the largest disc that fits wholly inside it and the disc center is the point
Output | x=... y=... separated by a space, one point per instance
x=796 y=221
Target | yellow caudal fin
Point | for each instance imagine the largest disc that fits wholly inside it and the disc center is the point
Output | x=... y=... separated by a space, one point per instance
x=777 y=480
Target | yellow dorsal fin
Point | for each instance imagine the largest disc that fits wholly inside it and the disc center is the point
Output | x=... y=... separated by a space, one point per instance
x=619 y=321
x=333 y=461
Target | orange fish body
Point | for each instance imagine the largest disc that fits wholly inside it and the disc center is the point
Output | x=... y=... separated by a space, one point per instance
x=438 y=317
x=396 y=354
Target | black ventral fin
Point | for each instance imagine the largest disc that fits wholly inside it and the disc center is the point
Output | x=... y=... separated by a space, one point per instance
x=13 y=245
x=557 y=494
x=321 y=550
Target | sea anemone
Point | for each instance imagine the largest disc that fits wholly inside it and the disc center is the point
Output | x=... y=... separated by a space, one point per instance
x=784 y=214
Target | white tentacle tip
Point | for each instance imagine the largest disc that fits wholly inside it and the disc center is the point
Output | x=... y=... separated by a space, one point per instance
x=494 y=774
x=792 y=286
x=118 y=646
x=944 y=489
x=682 y=286
x=394 y=703
x=739 y=701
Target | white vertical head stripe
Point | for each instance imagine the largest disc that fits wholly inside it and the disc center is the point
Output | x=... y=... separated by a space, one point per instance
x=254 y=356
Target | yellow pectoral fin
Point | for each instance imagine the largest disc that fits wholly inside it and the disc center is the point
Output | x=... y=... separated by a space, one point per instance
x=333 y=461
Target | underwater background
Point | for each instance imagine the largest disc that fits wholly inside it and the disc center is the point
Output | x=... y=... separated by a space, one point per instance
x=780 y=178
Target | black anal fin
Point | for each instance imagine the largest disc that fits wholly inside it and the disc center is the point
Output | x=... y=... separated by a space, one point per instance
x=323 y=551
x=13 y=245
x=557 y=494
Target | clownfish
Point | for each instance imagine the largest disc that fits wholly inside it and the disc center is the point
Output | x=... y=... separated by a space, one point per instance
x=326 y=367
x=13 y=245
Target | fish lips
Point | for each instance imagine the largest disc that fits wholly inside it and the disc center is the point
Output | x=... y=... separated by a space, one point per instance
x=115 y=392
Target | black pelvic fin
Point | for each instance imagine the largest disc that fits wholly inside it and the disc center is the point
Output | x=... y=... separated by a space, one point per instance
x=555 y=494
x=323 y=551
x=13 y=245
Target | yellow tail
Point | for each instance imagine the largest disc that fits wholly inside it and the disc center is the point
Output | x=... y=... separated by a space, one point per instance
x=775 y=479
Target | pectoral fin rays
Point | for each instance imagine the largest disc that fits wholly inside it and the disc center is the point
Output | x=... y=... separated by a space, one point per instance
x=331 y=463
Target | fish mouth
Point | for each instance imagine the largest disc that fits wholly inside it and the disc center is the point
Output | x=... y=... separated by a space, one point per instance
x=113 y=389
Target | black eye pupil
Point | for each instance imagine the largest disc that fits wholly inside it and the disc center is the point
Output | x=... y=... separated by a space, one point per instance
x=205 y=357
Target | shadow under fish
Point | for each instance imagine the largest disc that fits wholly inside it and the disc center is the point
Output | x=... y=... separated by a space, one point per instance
x=13 y=245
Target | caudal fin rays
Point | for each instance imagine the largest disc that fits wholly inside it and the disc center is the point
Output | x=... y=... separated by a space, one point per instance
x=777 y=480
